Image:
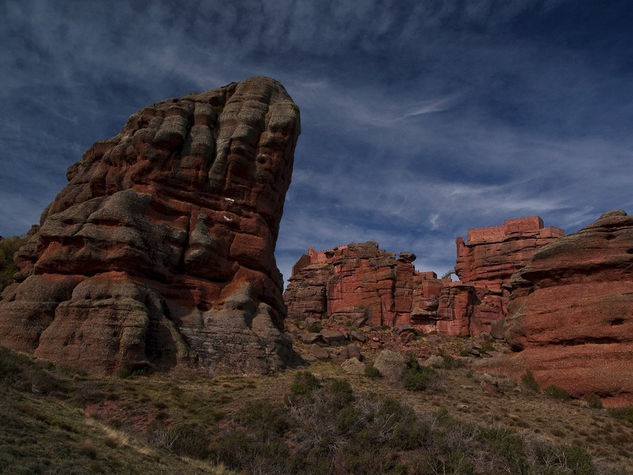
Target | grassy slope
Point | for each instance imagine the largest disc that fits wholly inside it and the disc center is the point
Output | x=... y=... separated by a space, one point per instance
x=55 y=421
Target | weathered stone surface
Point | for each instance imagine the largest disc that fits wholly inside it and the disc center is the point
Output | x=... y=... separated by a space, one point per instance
x=353 y=366
x=488 y=260
x=159 y=251
x=360 y=283
x=571 y=312
x=391 y=365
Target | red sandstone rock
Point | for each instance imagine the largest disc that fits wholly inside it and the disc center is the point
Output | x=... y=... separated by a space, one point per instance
x=159 y=251
x=360 y=282
x=571 y=312
x=489 y=259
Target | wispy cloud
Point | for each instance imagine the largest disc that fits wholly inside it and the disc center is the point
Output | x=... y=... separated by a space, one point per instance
x=420 y=118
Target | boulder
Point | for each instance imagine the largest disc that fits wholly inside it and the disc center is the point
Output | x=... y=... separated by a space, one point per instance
x=159 y=251
x=391 y=365
x=353 y=366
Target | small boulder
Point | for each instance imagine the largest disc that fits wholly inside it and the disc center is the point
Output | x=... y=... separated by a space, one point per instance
x=310 y=338
x=391 y=365
x=333 y=337
x=358 y=336
x=353 y=366
x=353 y=351
x=435 y=361
x=319 y=352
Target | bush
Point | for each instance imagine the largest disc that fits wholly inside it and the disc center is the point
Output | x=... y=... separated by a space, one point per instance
x=314 y=328
x=416 y=377
x=578 y=460
x=556 y=392
x=304 y=383
x=371 y=371
x=8 y=248
x=262 y=416
x=594 y=402
x=528 y=381
x=450 y=362
x=623 y=413
x=340 y=392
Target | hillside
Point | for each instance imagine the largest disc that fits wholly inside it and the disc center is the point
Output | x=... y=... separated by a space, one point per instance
x=316 y=419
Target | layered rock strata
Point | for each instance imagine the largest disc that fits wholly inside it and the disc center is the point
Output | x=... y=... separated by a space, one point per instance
x=570 y=314
x=487 y=261
x=361 y=282
x=159 y=251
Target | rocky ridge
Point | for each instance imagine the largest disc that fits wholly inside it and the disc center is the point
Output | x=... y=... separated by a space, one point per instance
x=159 y=251
x=570 y=314
x=363 y=283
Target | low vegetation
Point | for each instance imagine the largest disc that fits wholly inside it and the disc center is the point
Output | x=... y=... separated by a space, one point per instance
x=8 y=248
x=55 y=420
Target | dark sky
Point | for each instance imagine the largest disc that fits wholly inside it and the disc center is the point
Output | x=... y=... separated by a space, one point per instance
x=420 y=119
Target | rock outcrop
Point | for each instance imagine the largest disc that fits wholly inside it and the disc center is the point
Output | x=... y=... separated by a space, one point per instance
x=360 y=282
x=570 y=315
x=490 y=257
x=159 y=251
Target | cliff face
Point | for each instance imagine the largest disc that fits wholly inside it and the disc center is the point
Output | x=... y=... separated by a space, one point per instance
x=367 y=282
x=490 y=257
x=570 y=314
x=362 y=282
x=159 y=251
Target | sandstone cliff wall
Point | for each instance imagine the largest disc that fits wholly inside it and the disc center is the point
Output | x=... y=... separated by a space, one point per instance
x=570 y=314
x=361 y=280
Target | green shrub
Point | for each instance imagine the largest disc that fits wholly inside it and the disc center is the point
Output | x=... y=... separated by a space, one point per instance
x=371 y=371
x=623 y=413
x=578 y=460
x=8 y=248
x=341 y=392
x=556 y=392
x=450 y=362
x=416 y=377
x=594 y=402
x=8 y=369
x=528 y=381
x=263 y=417
x=314 y=327
x=190 y=441
x=304 y=383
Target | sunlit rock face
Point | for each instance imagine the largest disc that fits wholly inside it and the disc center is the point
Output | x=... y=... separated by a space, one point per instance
x=488 y=259
x=363 y=282
x=160 y=250
x=570 y=314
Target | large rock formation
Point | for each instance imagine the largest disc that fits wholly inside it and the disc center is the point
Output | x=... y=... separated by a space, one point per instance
x=361 y=281
x=490 y=257
x=571 y=312
x=159 y=251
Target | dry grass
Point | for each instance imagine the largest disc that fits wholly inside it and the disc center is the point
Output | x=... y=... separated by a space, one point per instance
x=167 y=423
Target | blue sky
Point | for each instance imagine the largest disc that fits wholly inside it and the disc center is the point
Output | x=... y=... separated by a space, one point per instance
x=420 y=119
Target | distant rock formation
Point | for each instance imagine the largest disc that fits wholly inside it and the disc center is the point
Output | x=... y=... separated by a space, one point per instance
x=490 y=257
x=159 y=251
x=570 y=314
x=362 y=282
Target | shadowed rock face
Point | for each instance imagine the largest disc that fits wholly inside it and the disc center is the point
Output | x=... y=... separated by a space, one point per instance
x=571 y=312
x=160 y=250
